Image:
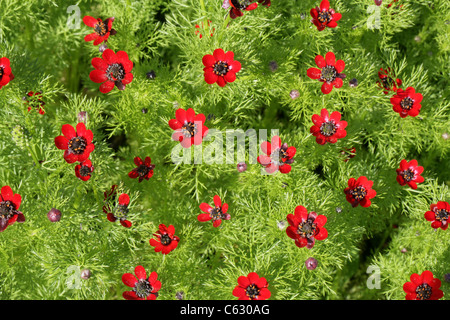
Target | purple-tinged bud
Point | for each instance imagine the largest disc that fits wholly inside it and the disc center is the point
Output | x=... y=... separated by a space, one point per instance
x=85 y=274
x=294 y=94
x=242 y=166
x=311 y=264
x=54 y=215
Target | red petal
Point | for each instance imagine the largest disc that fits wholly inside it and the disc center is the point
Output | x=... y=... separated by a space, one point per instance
x=314 y=73
x=129 y=280
x=330 y=58
x=107 y=87
x=124 y=199
x=140 y=273
x=320 y=61
x=219 y=54
x=61 y=142
x=208 y=60
x=90 y=21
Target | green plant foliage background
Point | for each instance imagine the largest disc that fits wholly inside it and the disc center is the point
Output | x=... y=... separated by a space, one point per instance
x=36 y=256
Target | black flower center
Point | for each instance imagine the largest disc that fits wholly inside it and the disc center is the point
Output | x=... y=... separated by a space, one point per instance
x=216 y=214
x=77 y=145
x=7 y=209
x=165 y=239
x=143 y=170
x=387 y=82
x=100 y=28
x=307 y=229
x=115 y=71
x=189 y=129
x=240 y=4
x=423 y=291
x=142 y=288
x=359 y=193
x=407 y=103
x=121 y=211
x=221 y=68
x=252 y=291
x=441 y=215
x=85 y=171
x=1 y=72
x=408 y=175
x=324 y=17
x=328 y=128
x=329 y=73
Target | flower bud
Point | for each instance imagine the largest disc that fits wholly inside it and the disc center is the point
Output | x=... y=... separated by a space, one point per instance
x=54 y=215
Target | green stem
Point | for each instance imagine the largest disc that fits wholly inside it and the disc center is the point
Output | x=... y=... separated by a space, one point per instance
x=205 y=21
x=224 y=26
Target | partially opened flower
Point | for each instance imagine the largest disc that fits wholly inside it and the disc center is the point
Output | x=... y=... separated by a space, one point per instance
x=102 y=29
x=276 y=156
x=9 y=208
x=144 y=169
x=220 y=67
x=5 y=72
x=329 y=72
x=117 y=210
x=305 y=228
x=388 y=81
x=252 y=287
x=407 y=102
x=144 y=288
x=33 y=100
x=189 y=128
x=166 y=240
x=409 y=173
x=423 y=287
x=360 y=192
x=84 y=169
x=113 y=69
x=328 y=128
x=216 y=214
x=237 y=6
x=77 y=144
x=324 y=16
x=439 y=215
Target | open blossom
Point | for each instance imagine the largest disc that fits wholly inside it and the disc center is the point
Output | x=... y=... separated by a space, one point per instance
x=423 y=287
x=166 y=240
x=388 y=82
x=144 y=288
x=189 y=127
x=329 y=72
x=276 y=156
x=237 y=6
x=252 y=287
x=305 y=228
x=407 y=102
x=117 y=210
x=220 y=67
x=9 y=208
x=77 y=145
x=439 y=215
x=216 y=214
x=84 y=169
x=5 y=72
x=102 y=29
x=328 y=128
x=144 y=169
x=324 y=16
x=360 y=192
x=409 y=173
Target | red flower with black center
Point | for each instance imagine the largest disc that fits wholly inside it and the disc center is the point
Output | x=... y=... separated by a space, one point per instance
x=83 y=170
x=277 y=156
x=324 y=16
x=197 y=32
x=360 y=192
x=237 y=6
x=216 y=214
x=189 y=128
x=387 y=82
x=409 y=173
x=5 y=72
x=102 y=29
x=306 y=228
x=117 y=211
x=77 y=144
x=439 y=215
x=144 y=288
x=113 y=69
x=328 y=128
x=407 y=102
x=329 y=72
x=166 y=240
x=252 y=287
x=423 y=287
x=144 y=169
x=34 y=101
x=220 y=67
x=9 y=208
x=348 y=153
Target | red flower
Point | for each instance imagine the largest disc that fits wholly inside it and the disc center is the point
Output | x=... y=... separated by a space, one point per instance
x=324 y=16
x=360 y=192
x=407 y=102
x=77 y=144
x=328 y=128
x=84 y=170
x=34 y=100
x=387 y=81
x=220 y=67
x=409 y=173
x=439 y=215
x=306 y=228
x=166 y=239
x=114 y=69
x=277 y=156
x=348 y=153
x=5 y=72
x=252 y=287
x=102 y=29
x=9 y=208
x=238 y=5
x=217 y=213
x=423 y=287
x=197 y=32
x=329 y=72
x=144 y=169
x=144 y=288
x=119 y=211
x=189 y=128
